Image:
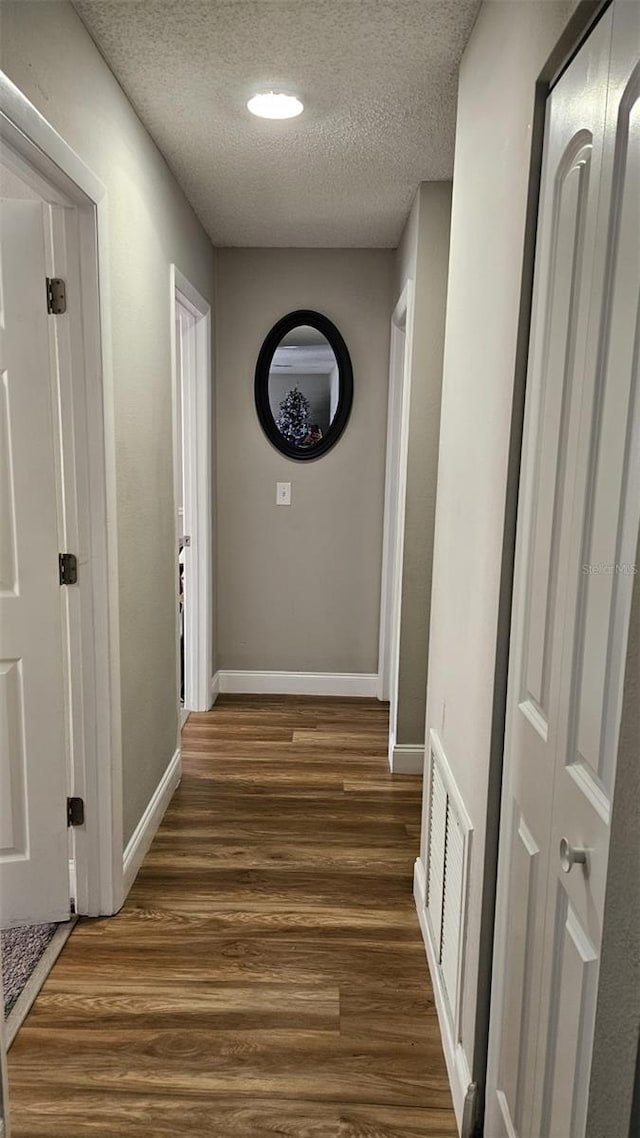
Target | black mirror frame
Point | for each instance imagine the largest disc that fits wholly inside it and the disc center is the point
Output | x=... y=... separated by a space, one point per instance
x=261 y=388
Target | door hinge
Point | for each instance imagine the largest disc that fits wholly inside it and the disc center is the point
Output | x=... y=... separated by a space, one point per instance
x=56 y=296
x=75 y=811
x=68 y=563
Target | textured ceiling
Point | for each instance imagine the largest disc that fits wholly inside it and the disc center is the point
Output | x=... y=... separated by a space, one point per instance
x=378 y=79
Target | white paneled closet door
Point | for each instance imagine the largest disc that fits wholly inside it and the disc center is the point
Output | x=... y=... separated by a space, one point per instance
x=577 y=532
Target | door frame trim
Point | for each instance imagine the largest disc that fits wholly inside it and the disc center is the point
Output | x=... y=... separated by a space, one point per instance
x=395 y=496
x=197 y=458
x=97 y=766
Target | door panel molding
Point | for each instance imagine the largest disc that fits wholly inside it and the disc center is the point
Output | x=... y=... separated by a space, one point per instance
x=575 y=975
x=13 y=824
x=608 y=539
x=558 y=338
x=513 y=1067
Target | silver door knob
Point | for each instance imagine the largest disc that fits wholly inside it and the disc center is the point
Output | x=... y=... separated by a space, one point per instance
x=570 y=855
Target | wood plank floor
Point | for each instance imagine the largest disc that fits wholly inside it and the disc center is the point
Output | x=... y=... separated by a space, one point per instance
x=266 y=975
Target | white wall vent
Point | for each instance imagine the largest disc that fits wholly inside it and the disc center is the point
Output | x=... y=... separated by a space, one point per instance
x=447 y=859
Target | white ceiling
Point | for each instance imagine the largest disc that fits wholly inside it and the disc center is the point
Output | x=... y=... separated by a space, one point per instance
x=304 y=359
x=378 y=79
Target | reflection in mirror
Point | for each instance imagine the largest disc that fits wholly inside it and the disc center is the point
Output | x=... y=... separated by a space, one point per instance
x=304 y=386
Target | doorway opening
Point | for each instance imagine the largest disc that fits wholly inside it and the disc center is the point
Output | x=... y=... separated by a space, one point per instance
x=394 y=507
x=193 y=432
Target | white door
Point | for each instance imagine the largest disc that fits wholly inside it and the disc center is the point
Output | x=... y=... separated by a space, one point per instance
x=34 y=864
x=577 y=534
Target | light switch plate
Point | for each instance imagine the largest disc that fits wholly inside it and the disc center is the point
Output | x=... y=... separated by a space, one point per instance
x=283 y=493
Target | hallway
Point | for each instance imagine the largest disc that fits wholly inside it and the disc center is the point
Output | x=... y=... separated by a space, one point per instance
x=267 y=974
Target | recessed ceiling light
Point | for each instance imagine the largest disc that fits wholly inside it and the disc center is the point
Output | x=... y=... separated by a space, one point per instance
x=275 y=105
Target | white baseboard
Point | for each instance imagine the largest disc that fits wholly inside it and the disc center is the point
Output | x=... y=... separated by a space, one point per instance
x=215 y=687
x=144 y=833
x=406 y=759
x=455 y=1058
x=352 y=684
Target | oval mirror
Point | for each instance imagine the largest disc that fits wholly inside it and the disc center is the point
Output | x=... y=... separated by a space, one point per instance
x=304 y=385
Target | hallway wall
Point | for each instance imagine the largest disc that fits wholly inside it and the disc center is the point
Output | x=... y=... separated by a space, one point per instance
x=298 y=588
x=48 y=54
x=507 y=50
x=423 y=256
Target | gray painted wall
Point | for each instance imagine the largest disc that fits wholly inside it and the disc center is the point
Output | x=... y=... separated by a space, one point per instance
x=49 y=55
x=423 y=256
x=507 y=50
x=298 y=588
